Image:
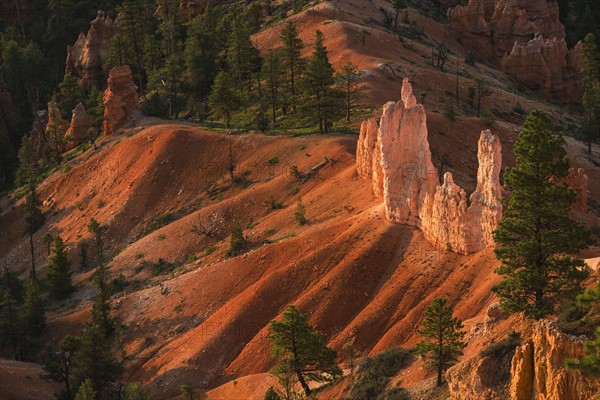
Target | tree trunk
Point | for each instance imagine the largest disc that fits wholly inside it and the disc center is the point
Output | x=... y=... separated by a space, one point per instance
x=32 y=256
x=303 y=383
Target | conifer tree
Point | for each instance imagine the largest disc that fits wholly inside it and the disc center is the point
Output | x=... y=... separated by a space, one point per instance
x=397 y=5
x=34 y=219
x=95 y=361
x=59 y=273
x=273 y=75
x=301 y=351
x=86 y=391
x=237 y=241
x=299 y=214
x=590 y=83
x=10 y=324
x=101 y=303
x=292 y=50
x=201 y=55
x=320 y=101
x=35 y=310
x=223 y=99
x=97 y=230
x=69 y=94
x=240 y=54
x=348 y=78
x=536 y=235
x=443 y=336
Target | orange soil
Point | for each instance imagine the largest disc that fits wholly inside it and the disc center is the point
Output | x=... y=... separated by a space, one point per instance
x=358 y=277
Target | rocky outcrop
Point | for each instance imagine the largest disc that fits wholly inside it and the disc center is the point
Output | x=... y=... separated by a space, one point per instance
x=578 y=181
x=364 y=148
x=85 y=57
x=546 y=66
x=491 y=27
x=538 y=370
x=55 y=129
x=78 y=131
x=408 y=173
x=534 y=371
x=398 y=162
x=120 y=100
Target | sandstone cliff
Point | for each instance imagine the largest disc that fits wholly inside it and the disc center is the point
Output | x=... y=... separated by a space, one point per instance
x=534 y=371
x=490 y=27
x=546 y=66
x=85 y=57
x=120 y=100
x=538 y=370
x=78 y=131
x=397 y=159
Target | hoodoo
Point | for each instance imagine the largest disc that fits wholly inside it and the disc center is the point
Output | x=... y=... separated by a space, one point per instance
x=400 y=157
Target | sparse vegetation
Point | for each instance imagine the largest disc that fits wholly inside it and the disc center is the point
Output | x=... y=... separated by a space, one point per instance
x=237 y=242
x=299 y=214
x=373 y=375
x=443 y=336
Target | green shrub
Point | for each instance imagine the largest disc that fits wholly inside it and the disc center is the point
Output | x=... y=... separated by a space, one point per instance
x=449 y=111
x=504 y=347
x=518 y=109
x=118 y=284
x=158 y=222
x=155 y=106
x=394 y=394
x=374 y=374
x=488 y=118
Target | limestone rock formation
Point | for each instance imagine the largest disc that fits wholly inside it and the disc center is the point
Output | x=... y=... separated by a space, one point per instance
x=578 y=181
x=451 y=223
x=365 y=147
x=408 y=173
x=538 y=370
x=475 y=378
x=398 y=162
x=120 y=100
x=85 y=57
x=490 y=27
x=546 y=66
x=78 y=131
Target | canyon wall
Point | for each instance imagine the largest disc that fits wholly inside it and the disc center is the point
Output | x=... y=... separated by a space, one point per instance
x=547 y=67
x=397 y=159
x=85 y=57
x=538 y=370
x=121 y=105
x=491 y=27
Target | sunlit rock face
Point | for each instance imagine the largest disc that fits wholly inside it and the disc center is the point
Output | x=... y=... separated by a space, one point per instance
x=85 y=57
x=396 y=157
x=120 y=100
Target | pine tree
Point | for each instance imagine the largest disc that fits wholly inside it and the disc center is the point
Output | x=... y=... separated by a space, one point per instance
x=101 y=303
x=97 y=230
x=301 y=351
x=35 y=310
x=292 y=50
x=69 y=94
x=11 y=329
x=443 y=336
x=223 y=99
x=96 y=362
x=590 y=362
x=348 y=77
x=299 y=214
x=59 y=273
x=86 y=391
x=201 y=55
x=320 y=101
x=590 y=83
x=273 y=72
x=237 y=242
x=397 y=5
x=536 y=234
x=28 y=163
x=34 y=219
x=187 y=392
x=240 y=55
x=136 y=391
